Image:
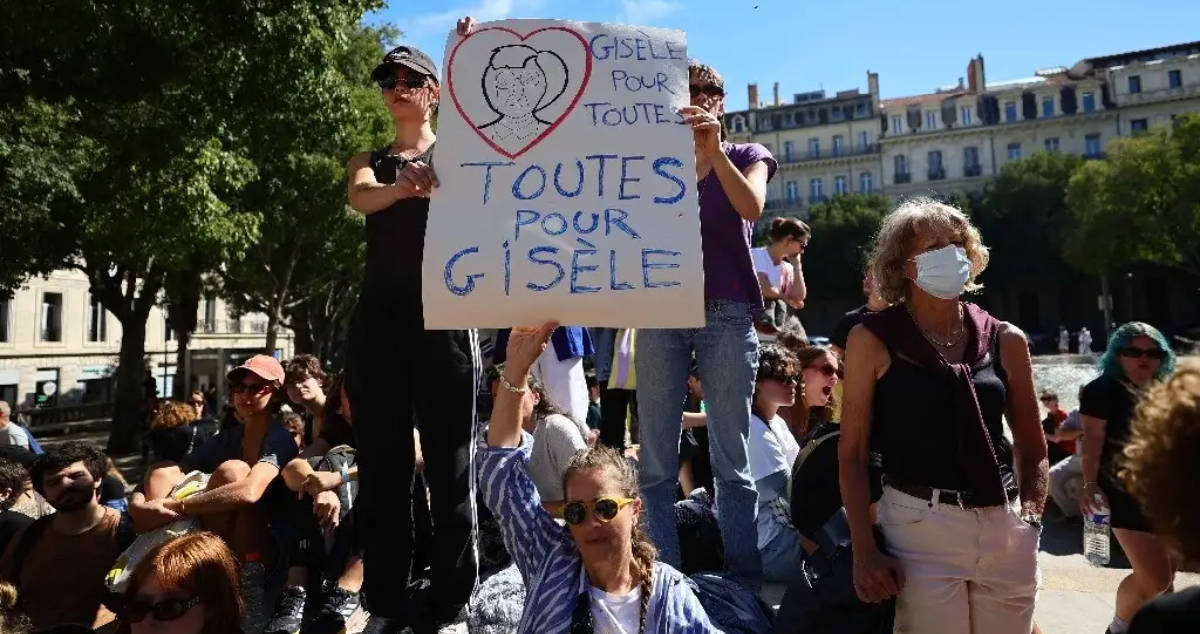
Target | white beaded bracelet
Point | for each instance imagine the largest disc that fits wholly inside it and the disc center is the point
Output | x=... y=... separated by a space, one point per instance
x=510 y=387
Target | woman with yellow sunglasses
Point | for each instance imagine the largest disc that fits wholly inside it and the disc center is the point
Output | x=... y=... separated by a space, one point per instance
x=598 y=573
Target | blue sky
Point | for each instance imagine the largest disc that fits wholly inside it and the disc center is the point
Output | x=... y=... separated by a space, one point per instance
x=915 y=47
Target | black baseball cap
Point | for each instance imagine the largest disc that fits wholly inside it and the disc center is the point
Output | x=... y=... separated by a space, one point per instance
x=407 y=56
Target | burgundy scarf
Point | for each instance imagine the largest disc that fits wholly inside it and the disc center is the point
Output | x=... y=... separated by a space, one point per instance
x=976 y=454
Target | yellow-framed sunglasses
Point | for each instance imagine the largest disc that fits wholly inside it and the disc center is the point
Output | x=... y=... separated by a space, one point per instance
x=604 y=508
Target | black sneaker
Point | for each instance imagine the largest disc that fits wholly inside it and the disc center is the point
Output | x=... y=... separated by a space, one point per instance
x=337 y=606
x=289 y=612
x=385 y=625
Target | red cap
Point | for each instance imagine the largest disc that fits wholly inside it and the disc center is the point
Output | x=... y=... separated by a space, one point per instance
x=263 y=366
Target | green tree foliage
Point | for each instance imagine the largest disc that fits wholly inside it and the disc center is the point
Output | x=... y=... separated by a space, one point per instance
x=1141 y=203
x=1023 y=217
x=842 y=231
x=129 y=134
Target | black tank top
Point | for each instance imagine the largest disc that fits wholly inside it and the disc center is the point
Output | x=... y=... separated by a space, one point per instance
x=396 y=240
x=916 y=430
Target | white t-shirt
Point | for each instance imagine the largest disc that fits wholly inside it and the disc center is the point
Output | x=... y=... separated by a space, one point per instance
x=615 y=613
x=12 y=435
x=771 y=448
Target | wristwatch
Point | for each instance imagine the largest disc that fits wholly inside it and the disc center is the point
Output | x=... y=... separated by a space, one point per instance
x=1033 y=520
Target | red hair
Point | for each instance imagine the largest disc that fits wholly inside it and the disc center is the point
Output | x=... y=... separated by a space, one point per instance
x=200 y=563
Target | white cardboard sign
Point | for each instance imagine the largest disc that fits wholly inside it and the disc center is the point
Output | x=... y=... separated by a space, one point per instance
x=568 y=180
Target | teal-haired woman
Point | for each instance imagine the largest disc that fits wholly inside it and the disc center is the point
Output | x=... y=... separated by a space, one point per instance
x=1138 y=355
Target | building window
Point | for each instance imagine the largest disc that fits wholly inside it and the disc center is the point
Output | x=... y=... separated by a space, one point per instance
x=1174 y=79
x=234 y=324
x=793 y=192
x=835 y=113
x=897 y=124
x=971 y=161
x=1014 y=151
x=864 y=182
x=1010 y=111
x=52 y=306
x=97 y=321
x=814 y=148
x=860 y=110
x=966 y=115
x=1089 y=102
x=210 y=314
x=787 y=150
x=1091 y=145
x=1051 y=144
x=839 y=185
x=931 y=119
x=5 y=312
x=1138 y=126
x=1135 y=84
x=864 y=141
x=169 y=332
x=1047 y=106
x=738 y=124
x=936 y=172
x=837 y=145
x=814 y=189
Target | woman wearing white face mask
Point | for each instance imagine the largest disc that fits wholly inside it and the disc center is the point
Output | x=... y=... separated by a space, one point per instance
x=928 y=383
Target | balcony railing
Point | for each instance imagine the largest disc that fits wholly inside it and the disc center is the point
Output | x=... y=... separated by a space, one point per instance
x=972 y=170
x=841 y=152
x=937 y=173
x=1093 y=156
x=902 y=177
x=813 y=200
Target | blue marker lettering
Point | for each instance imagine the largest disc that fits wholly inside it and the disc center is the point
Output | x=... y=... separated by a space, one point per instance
x=533 y=253
x=558 y=185
x=470 y=284
x=611 y=218
x=487 y=174
x=601 y=158
x=516 y=188
x=647 y=266
x=579 y=228
x=557 y=217
x=612 y=274
x=524 y=217
x=671 y=161
x=507 y=267
x=625 y=178
x=576 y=268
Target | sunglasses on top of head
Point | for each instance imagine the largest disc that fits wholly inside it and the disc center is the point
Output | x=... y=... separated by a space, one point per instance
x=604 y=508
x=707 y=89
x=136 y=611
x=1134 y=352
x=411 y=82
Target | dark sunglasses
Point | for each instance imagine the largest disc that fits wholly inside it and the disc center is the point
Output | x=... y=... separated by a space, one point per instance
x=707 y=89
x=250 y=388
x=605 y=509
x=411 y=82
x=136 y=611
x=827 y=370
x=1134 y=352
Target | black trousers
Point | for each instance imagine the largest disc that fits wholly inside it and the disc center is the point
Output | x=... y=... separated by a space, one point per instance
x=616 y=406
x=399 y=375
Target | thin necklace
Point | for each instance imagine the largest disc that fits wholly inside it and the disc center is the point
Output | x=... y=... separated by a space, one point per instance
x=955 y=337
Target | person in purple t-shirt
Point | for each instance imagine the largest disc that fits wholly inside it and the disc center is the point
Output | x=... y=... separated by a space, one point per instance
x=732 y=187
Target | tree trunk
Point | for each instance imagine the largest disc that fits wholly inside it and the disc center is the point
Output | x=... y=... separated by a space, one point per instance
x=272 y=332
x=179 y=390
x=128 y=415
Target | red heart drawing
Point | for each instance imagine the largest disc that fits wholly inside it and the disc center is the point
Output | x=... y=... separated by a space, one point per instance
x=587 y=73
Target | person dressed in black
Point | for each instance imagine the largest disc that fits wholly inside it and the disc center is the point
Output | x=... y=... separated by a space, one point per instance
x=12 y=482
x=398 y=373
x=875 y=303
x=1137 y=357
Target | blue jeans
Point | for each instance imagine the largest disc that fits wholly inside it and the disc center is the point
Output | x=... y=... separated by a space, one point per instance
x=726 y=351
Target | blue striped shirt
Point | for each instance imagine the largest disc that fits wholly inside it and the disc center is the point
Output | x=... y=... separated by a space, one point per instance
x=550 y=564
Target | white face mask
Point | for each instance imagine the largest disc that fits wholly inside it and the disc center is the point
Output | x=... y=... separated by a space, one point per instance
x=943 y=272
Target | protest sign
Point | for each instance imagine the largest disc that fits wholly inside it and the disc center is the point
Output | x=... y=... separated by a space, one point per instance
x=568 y=180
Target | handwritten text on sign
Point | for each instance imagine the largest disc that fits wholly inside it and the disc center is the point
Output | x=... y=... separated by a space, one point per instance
x=567 y=180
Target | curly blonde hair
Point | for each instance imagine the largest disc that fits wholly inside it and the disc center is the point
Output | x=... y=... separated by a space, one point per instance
x=899 y=230
x=1160 y=467
x=172 y=414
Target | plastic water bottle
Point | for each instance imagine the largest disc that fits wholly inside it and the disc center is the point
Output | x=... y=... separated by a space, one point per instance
x=1095 y=533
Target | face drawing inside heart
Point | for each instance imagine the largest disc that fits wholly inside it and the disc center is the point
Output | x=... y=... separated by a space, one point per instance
x=525 y=87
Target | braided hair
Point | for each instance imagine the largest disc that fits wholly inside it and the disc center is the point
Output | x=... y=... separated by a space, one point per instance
x=623 y=472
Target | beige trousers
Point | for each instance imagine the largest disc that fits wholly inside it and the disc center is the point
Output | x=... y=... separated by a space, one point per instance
x=966 y=570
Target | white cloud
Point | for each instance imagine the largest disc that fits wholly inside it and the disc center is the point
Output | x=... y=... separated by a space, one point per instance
x=646 y=11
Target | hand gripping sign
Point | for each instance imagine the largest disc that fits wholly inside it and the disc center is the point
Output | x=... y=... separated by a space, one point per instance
x=568 y=180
